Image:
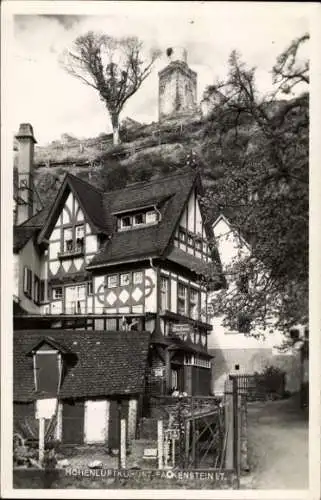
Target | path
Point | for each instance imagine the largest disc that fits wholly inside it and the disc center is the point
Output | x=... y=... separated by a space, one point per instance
x=278 y=445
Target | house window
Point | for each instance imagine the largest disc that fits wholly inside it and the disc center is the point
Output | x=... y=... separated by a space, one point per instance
x=190 y=240
x=27 y=282
x=198 y=245
x=47 y=371
x=189 y=359
x=80 y=234
x=42 y=291
x=36 y=289
x=151 y=217
x=112 y=281
x=90 y=288
x=75 y=299
x=138 y=278
x=126 y=222
x=139 y=219
x=111 y=324
x=193 y=303
x=182 y=235
x=164 y=293
x=57 y=293
x=124 y=279
x=68 y=243
x=182 y=299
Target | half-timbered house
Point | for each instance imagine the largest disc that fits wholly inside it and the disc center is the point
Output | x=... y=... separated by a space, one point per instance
x=132 y=259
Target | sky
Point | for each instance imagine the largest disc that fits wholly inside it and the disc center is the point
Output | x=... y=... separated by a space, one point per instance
x=55 y=103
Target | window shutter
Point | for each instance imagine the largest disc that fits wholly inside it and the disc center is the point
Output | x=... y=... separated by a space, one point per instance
x=42 y=291
x=25 y=280
x=29 y=283
x=36 y=289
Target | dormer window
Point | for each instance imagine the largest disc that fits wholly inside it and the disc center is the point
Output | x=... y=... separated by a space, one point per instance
x=47 y=367
x=151 y=217
x=138 y=219
x=126 y=222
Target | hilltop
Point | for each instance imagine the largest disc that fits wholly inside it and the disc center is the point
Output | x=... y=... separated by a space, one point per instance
x=146 y=151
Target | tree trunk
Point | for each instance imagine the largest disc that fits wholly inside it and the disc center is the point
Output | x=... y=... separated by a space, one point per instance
x=115 y=124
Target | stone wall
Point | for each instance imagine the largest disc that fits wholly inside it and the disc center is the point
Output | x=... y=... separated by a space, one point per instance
x=177 y=89
x=250 y=360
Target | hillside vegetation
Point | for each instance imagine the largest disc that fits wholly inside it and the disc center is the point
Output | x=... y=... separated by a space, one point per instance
x=146 y=151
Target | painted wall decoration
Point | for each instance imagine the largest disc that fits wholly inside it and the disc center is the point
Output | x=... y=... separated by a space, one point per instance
x=128 y=292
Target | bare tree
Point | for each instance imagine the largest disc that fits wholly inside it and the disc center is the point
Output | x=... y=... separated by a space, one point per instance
x=113 y=66
x=288 y=71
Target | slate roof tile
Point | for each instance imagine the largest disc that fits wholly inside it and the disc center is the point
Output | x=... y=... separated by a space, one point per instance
x=21 y=236
x=173 y=192
x=170 y=194
x=108 y=363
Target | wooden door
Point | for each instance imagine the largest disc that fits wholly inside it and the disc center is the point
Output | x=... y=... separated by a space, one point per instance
x=73 y=422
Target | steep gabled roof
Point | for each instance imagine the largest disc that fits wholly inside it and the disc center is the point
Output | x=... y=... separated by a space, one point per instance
x=89 y=198
x=170 y=194
x=21 y=236
x=246 y=238
x=107 y=363
x=51 y=342
x=37 y=220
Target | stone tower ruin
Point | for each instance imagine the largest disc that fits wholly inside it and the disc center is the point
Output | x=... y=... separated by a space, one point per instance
x=177 y=85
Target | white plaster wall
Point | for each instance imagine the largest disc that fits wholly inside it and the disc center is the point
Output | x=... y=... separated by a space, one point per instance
x=199 y=222
x=173 y=295
x=54 y=249
x=191 y=211
x=80 y=215
x=232 y=249
x=96 y=421
x=55 y=235
x=56 y=307
x=28 y=257
x=97 y=282
x=132 y=418
x=91 y=243
x=65 y=216
x=191 y=222
x=229 y=244
x=224 y=338
x=69 y=202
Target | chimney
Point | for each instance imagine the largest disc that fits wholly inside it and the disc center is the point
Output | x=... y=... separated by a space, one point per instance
x=25 y=189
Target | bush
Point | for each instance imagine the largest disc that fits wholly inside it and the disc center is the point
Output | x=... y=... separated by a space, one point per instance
x=271 y=382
